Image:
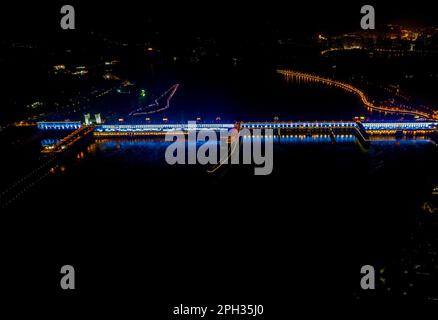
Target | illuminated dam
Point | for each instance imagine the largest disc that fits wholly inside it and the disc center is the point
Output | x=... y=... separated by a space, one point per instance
x=371 y=127
x=155 y=129
x=361 y=130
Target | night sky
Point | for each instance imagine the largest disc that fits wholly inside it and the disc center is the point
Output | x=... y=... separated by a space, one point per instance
x=136 y=20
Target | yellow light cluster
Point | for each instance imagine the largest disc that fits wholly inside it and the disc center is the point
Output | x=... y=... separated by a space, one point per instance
x=349 y=88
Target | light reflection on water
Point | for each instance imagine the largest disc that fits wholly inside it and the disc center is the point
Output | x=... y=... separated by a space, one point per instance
x=150 y=152
x=153 y=149
x=157 y=143
x=406 y=141
x=49 y=142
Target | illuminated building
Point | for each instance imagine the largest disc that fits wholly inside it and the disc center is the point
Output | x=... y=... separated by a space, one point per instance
x=87 y=119
x=98 y=118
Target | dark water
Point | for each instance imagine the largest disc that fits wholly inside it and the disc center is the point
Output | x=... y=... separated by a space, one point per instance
x=326 y=209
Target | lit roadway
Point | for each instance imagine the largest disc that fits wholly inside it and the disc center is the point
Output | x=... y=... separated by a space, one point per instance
x=69 y=140
x=349 y=88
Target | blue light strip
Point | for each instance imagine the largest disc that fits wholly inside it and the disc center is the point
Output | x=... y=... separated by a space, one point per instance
x=399 y=125
x=286 y=125
x=367 y=125
x=67 y=125
x=160 y=127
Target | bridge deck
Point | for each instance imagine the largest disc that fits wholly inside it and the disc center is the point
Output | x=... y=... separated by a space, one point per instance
x=69 y=140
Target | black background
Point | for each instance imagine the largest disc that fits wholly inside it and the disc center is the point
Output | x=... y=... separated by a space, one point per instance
x=124 y=267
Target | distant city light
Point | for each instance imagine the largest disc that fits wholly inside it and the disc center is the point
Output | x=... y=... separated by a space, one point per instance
x=59 y=67
x=81 y=72
x=110 y=63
